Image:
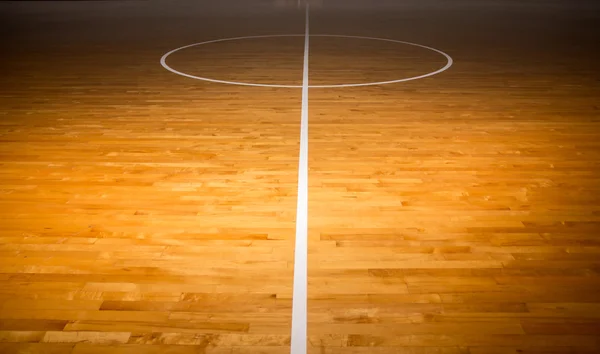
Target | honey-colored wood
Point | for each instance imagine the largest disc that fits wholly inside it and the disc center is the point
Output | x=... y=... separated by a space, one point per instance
x=143 y=212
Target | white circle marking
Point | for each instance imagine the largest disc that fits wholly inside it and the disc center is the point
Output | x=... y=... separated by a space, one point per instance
x=163 y=62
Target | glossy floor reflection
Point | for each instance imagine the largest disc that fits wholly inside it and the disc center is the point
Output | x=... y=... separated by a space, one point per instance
x=145 y=212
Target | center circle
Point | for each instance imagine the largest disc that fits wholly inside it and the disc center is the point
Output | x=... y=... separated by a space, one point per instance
x=449 y=62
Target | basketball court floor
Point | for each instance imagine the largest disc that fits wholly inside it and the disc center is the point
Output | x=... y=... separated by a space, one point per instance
x=418 y=177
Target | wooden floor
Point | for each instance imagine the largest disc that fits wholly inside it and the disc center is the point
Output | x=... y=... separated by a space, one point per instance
x=145 y=212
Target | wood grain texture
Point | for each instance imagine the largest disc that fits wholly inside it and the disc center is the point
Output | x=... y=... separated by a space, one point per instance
x=463 y=207
x=143 y=212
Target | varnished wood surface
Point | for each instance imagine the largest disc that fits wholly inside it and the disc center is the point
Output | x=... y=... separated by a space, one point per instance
x=142 y=212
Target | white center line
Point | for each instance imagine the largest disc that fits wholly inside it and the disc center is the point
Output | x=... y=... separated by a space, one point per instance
x=299 y=300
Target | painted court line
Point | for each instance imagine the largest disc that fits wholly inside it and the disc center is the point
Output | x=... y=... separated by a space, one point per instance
x=300 y=280
x=449 y=62
x=299 y=299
